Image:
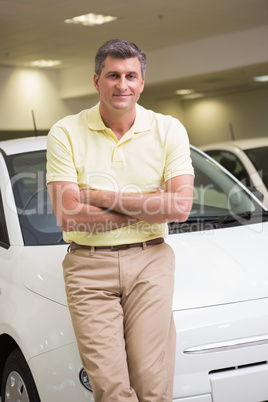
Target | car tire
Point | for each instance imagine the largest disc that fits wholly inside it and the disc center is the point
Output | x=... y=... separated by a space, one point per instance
x=18 y=383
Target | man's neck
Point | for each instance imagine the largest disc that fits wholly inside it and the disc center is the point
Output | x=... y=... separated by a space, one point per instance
x=119 y=121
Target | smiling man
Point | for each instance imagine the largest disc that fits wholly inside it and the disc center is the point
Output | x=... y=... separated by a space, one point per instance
x=120 y=84
x=117 y=174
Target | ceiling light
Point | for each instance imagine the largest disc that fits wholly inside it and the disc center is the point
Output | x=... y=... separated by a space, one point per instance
x=90 y=19
x=194 y=95
x=261 y=78
x=44 y=63
x=185 y=91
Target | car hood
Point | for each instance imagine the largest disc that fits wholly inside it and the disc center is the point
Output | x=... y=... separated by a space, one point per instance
x=220 y=266
x=212 y=267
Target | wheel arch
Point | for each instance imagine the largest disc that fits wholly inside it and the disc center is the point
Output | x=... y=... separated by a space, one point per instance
x=7 y=345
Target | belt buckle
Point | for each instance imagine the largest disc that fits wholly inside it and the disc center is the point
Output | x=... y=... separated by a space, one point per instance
x=119 y=247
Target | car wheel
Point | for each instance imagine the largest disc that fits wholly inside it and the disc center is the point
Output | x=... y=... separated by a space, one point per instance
x=18 y=383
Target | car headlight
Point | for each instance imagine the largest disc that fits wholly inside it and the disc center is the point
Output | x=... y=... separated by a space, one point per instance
x=85 y=380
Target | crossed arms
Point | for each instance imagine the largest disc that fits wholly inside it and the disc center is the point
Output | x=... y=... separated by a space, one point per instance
x=91 y=210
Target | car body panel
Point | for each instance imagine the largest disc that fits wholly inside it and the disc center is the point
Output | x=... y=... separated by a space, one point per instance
x=245 y=143
x=23 y=144
x=40 y=325
x=57 y=373
x=213 y=325
x=47 y=280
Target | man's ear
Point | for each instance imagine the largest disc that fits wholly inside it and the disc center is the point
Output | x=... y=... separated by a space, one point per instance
x=96 y=82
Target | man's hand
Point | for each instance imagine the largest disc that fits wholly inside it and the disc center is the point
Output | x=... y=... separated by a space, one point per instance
x=159 y=207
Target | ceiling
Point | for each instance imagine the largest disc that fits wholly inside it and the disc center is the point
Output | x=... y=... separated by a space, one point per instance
x=35 y=29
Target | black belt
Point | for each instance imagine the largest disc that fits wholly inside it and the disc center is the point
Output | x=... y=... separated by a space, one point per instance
x=74 y=246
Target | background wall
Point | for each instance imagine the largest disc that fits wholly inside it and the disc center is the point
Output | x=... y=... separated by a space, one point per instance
x=212 y=119
x=25 y=90
x=208 y=119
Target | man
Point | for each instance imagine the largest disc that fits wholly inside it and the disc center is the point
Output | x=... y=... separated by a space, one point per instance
x=117 y=174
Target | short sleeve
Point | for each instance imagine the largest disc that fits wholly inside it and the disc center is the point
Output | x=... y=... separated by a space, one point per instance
x=178 y=159
x=60 y=164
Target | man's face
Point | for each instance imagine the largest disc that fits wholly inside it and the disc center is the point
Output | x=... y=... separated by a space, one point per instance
x=120 y=83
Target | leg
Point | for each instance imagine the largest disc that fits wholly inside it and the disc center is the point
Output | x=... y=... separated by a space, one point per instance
x=93 y=296
x=149 y=325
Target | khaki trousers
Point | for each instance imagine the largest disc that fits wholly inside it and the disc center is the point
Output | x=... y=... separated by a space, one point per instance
x=121 y=308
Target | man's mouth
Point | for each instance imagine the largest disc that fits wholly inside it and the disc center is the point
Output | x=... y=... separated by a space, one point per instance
x=121 y=95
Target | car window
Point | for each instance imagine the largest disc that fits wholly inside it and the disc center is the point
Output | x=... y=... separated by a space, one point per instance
x=4 y=240
x=233 y=164
x=37 y=220
x=215 y=193
x=259 y=158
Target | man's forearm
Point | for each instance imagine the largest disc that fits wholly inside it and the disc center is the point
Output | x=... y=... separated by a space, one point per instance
x=159 y=207
x=74 y=215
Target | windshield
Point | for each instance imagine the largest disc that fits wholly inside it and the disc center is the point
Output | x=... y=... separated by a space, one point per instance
x=259 y=158
x=219 y=201
x=216 y=198
x=28 y=179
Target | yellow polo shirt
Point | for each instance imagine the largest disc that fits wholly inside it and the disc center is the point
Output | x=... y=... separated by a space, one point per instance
x=81 y=149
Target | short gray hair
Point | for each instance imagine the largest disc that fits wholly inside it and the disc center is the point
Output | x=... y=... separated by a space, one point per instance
x=119 y=49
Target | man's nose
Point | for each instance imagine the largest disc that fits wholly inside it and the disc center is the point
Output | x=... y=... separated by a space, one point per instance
x=122 y=84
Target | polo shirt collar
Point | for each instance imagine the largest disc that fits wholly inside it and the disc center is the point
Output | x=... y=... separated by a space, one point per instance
x=94 y=119
x=142 y=121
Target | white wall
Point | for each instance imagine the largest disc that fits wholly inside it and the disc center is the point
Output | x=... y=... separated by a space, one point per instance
x=173 y=107
x=77 y=81
x=208 y=119
x=24 y=90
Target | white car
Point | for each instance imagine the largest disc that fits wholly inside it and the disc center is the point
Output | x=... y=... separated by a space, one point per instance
x=220 y=301
x=246 y=159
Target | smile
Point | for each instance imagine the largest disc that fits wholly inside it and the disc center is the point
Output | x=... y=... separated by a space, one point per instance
x=121 y=95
